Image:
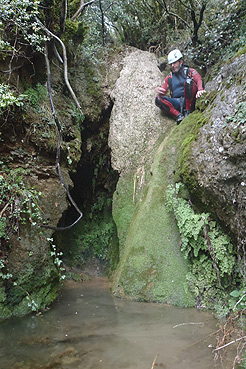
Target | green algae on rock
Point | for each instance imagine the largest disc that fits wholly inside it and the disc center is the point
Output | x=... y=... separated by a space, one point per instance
x=151 y=266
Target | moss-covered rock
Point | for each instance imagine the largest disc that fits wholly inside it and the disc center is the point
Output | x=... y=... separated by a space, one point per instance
x=29 y=137
x=151 y=267
x=145 y=149
x=195 y=121
x=34 y=279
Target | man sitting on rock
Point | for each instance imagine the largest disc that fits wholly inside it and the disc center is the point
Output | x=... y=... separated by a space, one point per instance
x=184 y=84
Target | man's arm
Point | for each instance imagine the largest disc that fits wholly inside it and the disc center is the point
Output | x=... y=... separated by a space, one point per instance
x=198 y=79
x=163 y=89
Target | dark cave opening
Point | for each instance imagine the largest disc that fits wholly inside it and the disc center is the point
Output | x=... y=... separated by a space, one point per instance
x=94 y=172
x=94 y=237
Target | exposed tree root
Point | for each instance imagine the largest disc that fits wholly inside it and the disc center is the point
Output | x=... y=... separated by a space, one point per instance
x=58 y=152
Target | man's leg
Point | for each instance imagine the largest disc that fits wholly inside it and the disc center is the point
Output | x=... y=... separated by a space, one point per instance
x=190 y=90
x=170 y=106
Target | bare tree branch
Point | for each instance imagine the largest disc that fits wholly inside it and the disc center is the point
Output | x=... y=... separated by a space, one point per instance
x=148 y=6
x=196 y=24
x=164 y=5
x=65 y=16
x=58 y=55
x=102 y=22
x=182 y=20
x=81 y=8
x=185 y=5
x=108 y=7
x=201 y=14
x=229 y=343
x=64 y=63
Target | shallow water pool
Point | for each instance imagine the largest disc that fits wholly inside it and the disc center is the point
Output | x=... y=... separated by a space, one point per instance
x=87 y=328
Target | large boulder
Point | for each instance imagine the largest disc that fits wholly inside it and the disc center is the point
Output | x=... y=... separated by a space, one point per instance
x=151 y=266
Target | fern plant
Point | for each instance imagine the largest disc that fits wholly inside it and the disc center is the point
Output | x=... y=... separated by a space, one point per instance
x=210 y=251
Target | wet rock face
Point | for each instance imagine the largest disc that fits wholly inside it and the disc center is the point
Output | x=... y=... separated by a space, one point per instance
x=151 y=266
x=218 y=156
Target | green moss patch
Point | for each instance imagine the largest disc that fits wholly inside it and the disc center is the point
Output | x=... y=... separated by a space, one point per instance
x=151 y=266
x=196 y=121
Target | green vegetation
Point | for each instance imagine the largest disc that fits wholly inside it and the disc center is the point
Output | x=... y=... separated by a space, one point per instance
x=43 y=130
x=239 y=118
x=19 y=17
x=92 y=237
x=18 y=202
x=212 y=30
x=4 y=275
x=195 y=121
x=212 y=255
x=36 y=96
x=208 y=29
x=76 y=115
x=56 y=258
x=20 y=213
x=8 y=99
x=94 y=241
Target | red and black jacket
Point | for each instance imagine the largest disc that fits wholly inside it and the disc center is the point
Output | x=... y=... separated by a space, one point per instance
x=185 y=73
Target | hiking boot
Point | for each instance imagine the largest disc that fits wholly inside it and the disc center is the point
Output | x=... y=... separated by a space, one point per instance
x=179 y=118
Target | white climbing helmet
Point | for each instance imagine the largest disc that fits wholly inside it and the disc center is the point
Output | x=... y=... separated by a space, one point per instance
x=174 y=55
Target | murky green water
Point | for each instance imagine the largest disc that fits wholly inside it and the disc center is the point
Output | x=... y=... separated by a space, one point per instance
x=87 y=328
